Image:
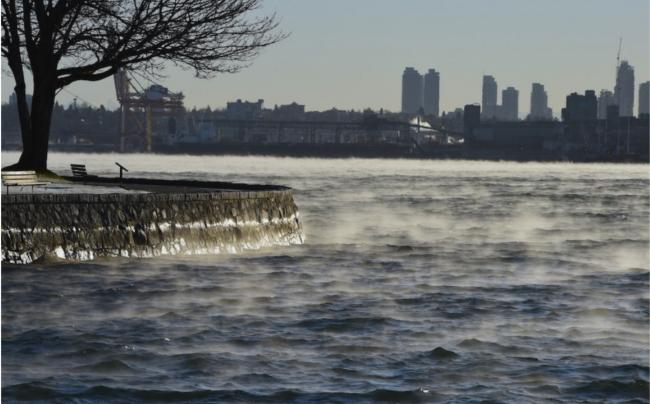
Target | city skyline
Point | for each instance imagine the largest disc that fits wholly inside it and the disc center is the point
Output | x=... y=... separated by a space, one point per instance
x=347 y=68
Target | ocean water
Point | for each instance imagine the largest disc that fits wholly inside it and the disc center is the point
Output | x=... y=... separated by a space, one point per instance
x=419 y=281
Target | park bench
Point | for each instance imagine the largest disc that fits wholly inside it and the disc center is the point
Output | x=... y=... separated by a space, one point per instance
x=21 y=178
x=79 y=171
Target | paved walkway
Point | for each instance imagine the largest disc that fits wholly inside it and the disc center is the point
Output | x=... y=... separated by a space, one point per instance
x=65 y=187
x=102 y=185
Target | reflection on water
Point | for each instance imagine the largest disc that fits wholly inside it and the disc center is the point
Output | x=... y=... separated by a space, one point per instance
x=420 y=280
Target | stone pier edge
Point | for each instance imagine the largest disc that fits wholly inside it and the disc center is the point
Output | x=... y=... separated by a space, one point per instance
x=140 y=197
x=78 y=227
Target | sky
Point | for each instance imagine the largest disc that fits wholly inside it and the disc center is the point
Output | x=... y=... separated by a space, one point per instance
x=351 y=54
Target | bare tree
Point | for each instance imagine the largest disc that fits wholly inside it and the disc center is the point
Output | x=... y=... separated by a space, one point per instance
x=64 y=41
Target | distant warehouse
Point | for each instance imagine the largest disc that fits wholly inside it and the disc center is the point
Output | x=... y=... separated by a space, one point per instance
x=538 y=135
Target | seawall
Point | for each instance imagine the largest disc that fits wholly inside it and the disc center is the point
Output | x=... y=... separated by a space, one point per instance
x=85 y=226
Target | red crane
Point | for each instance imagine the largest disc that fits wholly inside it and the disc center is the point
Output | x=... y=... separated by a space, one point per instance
x=137 y=107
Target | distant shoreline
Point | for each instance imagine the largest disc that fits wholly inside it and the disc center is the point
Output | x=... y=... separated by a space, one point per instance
x=376 y=151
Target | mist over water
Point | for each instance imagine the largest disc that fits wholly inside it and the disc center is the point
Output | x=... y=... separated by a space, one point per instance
x=418 y=281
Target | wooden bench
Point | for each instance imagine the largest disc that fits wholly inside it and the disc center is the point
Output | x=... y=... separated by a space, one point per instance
x=21 y=179
x=78 y=170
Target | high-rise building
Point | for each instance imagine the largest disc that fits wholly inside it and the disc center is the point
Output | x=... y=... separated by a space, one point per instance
x=612 y=113
x=489 y=102
x=644 y=98
x=471 y=117
x=510 y=104
x=624 y=90
x=605 y=99
x=539 y=109
x=581 y=107
x=432 y=92
x=412 y=99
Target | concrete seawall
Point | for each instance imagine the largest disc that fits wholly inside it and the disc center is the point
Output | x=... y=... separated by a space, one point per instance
x=85 y=226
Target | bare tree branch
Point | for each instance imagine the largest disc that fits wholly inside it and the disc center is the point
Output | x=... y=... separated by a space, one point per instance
x=63 y=41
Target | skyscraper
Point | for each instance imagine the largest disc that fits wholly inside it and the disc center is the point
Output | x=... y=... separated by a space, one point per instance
x=624 y=90
x=580 y=107
x=510 y=101
x=489 y=102
x=412 y=99
x=432 y=92
x=539 y=103
x=644 y=98
x=605 y=99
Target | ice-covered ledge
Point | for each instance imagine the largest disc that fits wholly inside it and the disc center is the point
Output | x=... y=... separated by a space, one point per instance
x=158 y=218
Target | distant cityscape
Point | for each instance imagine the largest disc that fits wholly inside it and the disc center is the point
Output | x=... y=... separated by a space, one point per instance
x=593 y=127
x=421 y=95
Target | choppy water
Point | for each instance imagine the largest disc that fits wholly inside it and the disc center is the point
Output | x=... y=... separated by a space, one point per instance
x=419 y=281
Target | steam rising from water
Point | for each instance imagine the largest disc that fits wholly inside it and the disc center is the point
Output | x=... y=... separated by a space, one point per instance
x=534 y=275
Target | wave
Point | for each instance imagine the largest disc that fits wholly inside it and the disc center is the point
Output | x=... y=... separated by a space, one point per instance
x=440 y=353
x=609 y=388
x=477 y=344
x=344 y=324
x=36 y=391
x=111 y=366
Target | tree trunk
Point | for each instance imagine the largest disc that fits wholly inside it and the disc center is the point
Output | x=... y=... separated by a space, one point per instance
x=27 y=156
x=35 y=124
x=25 y=126
x=41 y=119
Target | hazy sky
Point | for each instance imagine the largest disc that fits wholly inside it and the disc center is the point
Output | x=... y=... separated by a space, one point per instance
x=351 y=54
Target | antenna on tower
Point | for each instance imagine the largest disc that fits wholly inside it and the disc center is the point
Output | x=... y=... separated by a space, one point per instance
x=618 y=55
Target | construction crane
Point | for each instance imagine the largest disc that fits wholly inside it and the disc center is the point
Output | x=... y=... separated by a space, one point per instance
x=618 y=55
x=137 y=107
